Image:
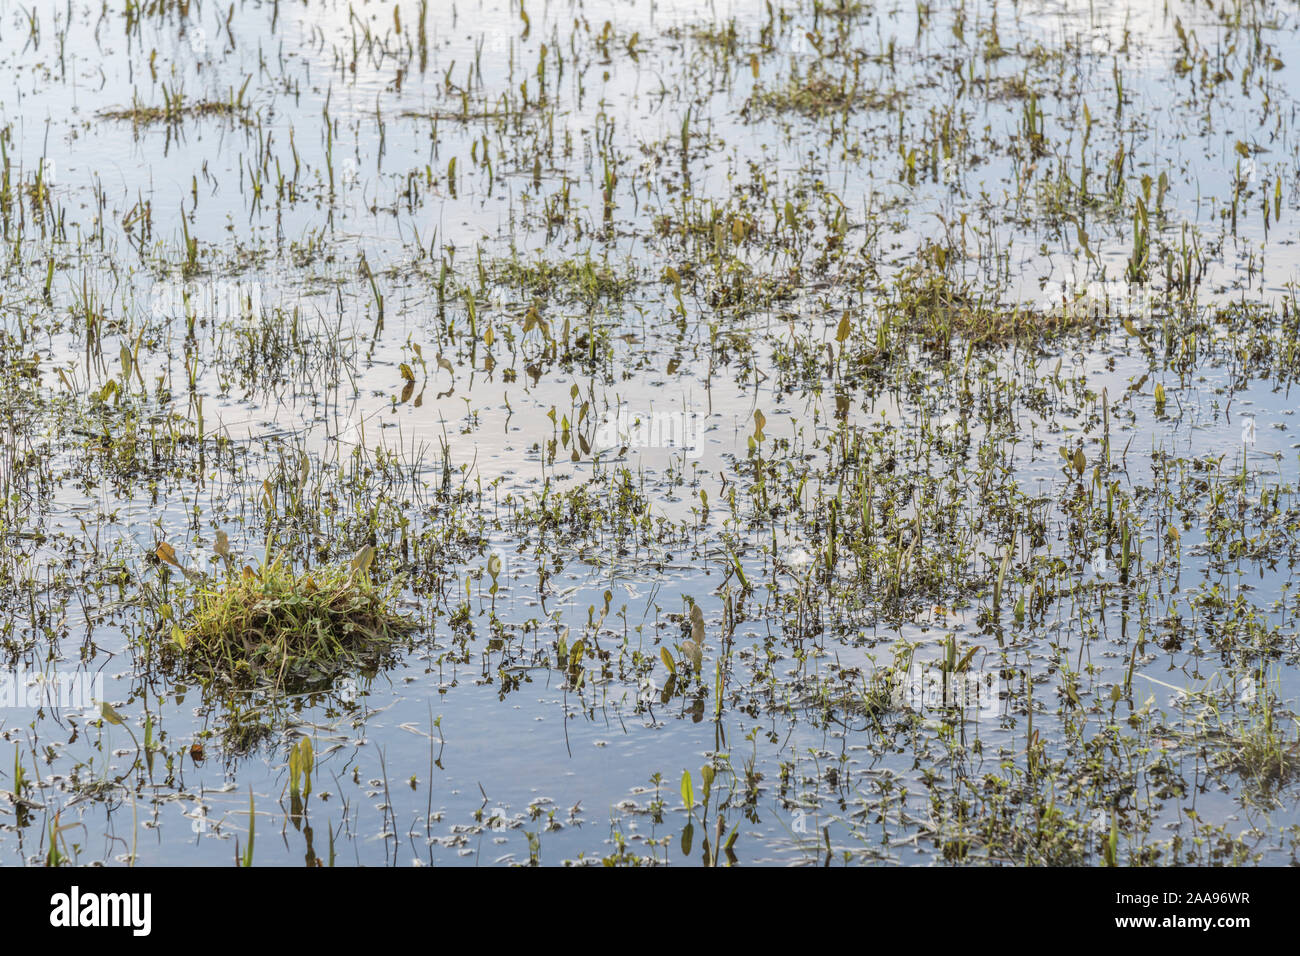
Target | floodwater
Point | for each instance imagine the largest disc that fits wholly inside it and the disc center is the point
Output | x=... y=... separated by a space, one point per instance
x=658 y=305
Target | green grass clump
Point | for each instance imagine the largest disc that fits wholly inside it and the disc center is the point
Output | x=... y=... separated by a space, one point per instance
x=818 y=93
x=939 y=308
x=1264 y=757
x=289 y=629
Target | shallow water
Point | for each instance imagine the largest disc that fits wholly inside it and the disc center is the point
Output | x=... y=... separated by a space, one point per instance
x=184 y=374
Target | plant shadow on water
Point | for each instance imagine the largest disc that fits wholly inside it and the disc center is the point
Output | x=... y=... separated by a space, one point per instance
x=801 y=433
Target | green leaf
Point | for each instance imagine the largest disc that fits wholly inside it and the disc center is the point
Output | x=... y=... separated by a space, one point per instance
x=362 y=560
x=964 y=663
x=306 y=761
x=740 y=572
x=248 y=850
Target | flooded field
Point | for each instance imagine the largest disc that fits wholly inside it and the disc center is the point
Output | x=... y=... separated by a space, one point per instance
x=579 y=433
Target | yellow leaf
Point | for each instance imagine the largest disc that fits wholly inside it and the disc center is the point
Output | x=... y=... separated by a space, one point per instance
x=109 y=714
x=165 y=552
x=306 y=760
x=668 y=660
x=844 y=329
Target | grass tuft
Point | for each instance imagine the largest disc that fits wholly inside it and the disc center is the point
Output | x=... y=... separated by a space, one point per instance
x=938 y=308
x=1262 y=755
x=818 y=93
x=288 y=629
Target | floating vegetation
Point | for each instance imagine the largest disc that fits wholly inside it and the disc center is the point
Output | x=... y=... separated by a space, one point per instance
x=931 y=304
x=1262 y=753
x=177 y=108
x=291 y=630
x=817 y=92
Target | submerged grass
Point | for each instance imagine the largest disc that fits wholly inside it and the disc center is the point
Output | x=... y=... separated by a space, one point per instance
x=290 y=629
x=817 y=93
x=935 y=306
x=177 y=107
x=1262 y=755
